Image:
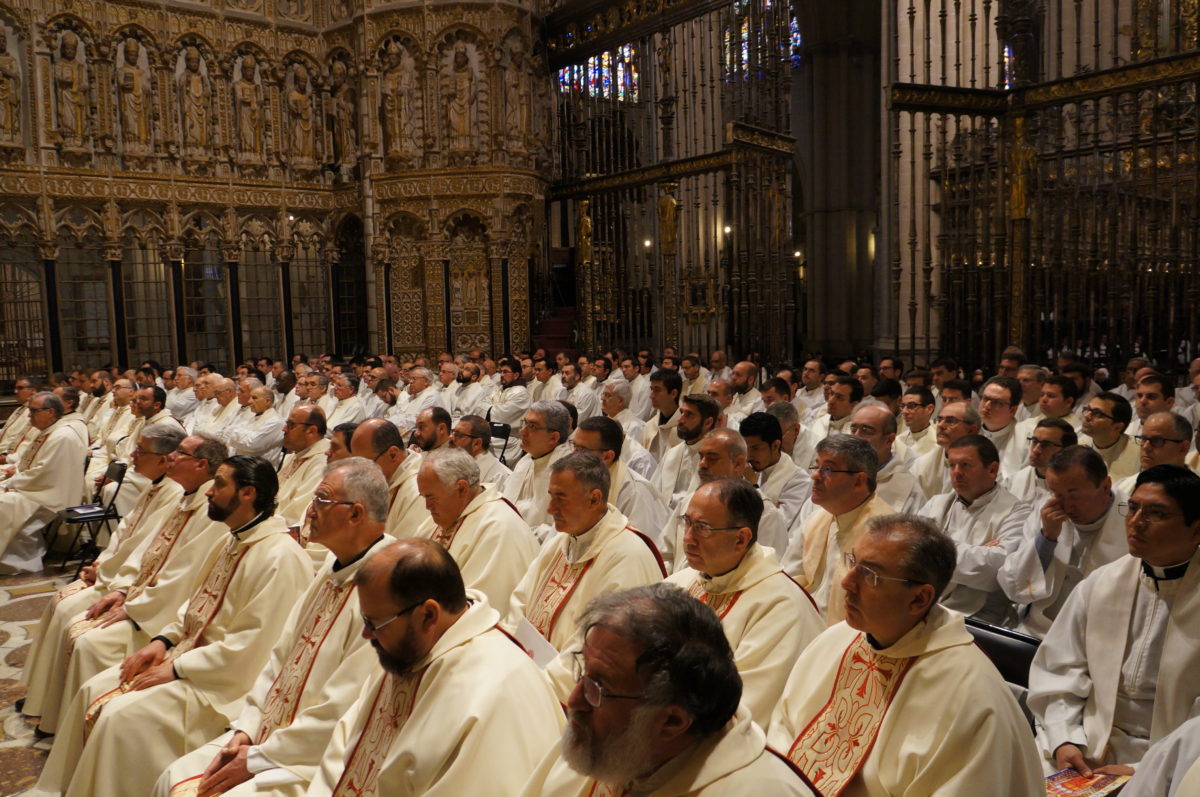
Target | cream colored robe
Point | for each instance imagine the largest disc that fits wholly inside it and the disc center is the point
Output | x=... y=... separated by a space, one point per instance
x=568 y=572
x=735 y=761
x=322 y=685
x=138 y=734
x=1014 y=451
x=932 y=472
x=492 y=471
x=528 y=488
x=677 y=473
x=479 y=721
x=491 y=544
x=508 y=405
x=771 y=534
x=14 y=428
x=767 y=618
x=298 y=478
x=1117 y=670
x=638 y=501
x=787 y=486
x=1028 y=486
x=256 y=435
x=632 y=425
x=1171 y=768
x=111 y=430
x=896 y=484
x=586 y=402
x=406 y=509
x=1040 y=592
x=347 y=410
x=814 y=557
x=918 y=443
x=1123 y=458
x=951 y=728
x=659 y=437
x=218 y=420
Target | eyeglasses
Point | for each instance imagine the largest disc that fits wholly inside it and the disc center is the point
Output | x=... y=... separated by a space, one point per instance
x=374 y=629
x=1033 y=441
x=824 y=471
x=593 y=692
x=1150 y=514
x=912 y=405
x=994 y=402
x=39 y=409
x=182 y=453
x=577 y=448
x=870 y=576
x=294 y=424
x=141 y=452
x=1157 y=442
x=533 y=427
x=701 y=529
x=948 y=420
x=464 y=434
x=1092 y=412
x=321 y=503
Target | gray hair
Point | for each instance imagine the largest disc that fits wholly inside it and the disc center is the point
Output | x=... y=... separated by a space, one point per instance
x=451 y=465
x=363 y=483
x=186 y=371
x=351 y=380
x=51 y=401
x=1038 y=371
x=858 y=454
x=930 y=556
x=212 y=451
x=322 y=379
x=621 y=390
x=251 y=382
x=556 y=416
x=733 y=443
x=421 y=372
x=164 y=438
x=785 y=413
x=588 y=468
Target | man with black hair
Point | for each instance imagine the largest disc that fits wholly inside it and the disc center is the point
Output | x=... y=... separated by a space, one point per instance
x=684 y=733
x=845 y=393
x=660 y=434
x=629 y=491
x=778 y=478
x=305 y=442
x=917 y=408
x=677 y=470
x=126 y=724
x=580 y=395
x=379 y=440
x=473 y=434
x=433 y=429
x=999 y=400
x=1105 y=419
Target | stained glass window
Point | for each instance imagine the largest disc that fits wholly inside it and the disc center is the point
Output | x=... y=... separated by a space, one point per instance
x=610 y=75
x=795 y=41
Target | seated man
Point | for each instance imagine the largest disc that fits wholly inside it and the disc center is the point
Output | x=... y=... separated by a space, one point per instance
x=258 y=430
x=767 y=617
x=999 y=400
x=894 y=482
x=490 y=542
x=579 y=394
x=1105 y=419
x=1116 y=671
x=629 y=491
x=679 y=730
x=1074 y=531
x=845 y=393
x=984 y=520
x=318 y=665
x=544 y=433
x=1171 y=767
x=659 y=435
x=125 y=725
x=456 y=708
x=677 y=471
x=898 y=699
x=1049 y=436
x=1164 y=440
x=473 y=434
x=844 y=499
x=932 y=470
x=780 y=480
x=615 y=397
x=379 y=440
x=797 y=443
x=593 y=551
x=432 y=430
x=48 y=479
x=917 y=407
x=305 y=443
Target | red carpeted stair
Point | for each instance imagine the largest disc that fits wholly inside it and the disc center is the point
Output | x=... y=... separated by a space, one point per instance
x=555 y=332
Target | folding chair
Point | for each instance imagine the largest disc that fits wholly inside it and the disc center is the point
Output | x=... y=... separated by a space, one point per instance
x=94 y=516
x=501 y=432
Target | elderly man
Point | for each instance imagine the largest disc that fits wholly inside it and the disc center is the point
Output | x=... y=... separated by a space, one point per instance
x=894 y=481
x=614 y=402
x=677 y=471
x=305 y=443
x=796 y=443
x=1049 y=436
x=767 y=617
x=984 y=520
x=660 y=433
x=1070 y=533
x=45 y=665
x=593 y=551
x=1116 y=671
x=629 y=491
x=455 y=704
x=902 y=667
x=433 y=429
x=845 y=393
x=473 y=434
x=258 y=431
x=577 y=393
x=379 y=441
x=1105 y=419
x=844 y=499
x=999 y=399
x=488 y=539
x=317 y=666
x=202 y=389
x=780 y=480
x=112 y=427
x=544 y=434
x=224 y=393
x=18 y=419
x=317 y=391
x=447 y=382
x=349 y=407
x=684 y=734
x=128 y=723
x=932 y=470
x=47 y=479
x=1164 y=440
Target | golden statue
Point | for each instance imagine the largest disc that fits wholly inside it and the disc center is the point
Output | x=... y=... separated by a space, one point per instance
x=583 y=234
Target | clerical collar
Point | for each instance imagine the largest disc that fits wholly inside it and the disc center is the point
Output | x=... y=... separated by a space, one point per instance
x=261 y=517
x=1170 y=573
x=159 y=479
x=980 y=499
x=337 y=565
x=662 y=419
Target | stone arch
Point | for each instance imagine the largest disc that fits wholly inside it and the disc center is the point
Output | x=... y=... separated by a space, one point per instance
x=466 y=224
x=142 y=225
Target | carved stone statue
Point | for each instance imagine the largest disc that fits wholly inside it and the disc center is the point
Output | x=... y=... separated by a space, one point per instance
x=583 y=233
x=668 y=218
x=133 y=84
x=345 y=118
x=400 y=120
x=10 y=92
x=300 y=114
x=247 y=102
x=70 y=81
x=462 y=100
x=193 y=99
x=517 y=99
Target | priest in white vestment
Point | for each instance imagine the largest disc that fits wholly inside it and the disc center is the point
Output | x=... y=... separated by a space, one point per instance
x=258 y=430
x=681 y=736
x=811 y=393
x=1075 y=530
x=349 y=407
x=743 y=380
x=225 y=408
x=695 y=378
x=128 y=723
x=1050 y=436
x=148 y=410
x=630 y=492
x=490 y=542
x=544 y=432
x=317 y=666
x=1164 y=440
x=45 y=664
x=181 y=399
x=894 y=481
x=473 y=434
x=509 y=402
x=932 y=470
x=780 y=480
x=768 y=618
x=422 y=393
x=545 y=383
x=1105 y=419
x=844 y=499
x=48 y=479
x=1058 y=400
x=1171 y=767
x=469 y=396
x=845 y=394
x=574 y=391
x=917 y=407
x=1031 y=378
x=676 y=474
x=615 y=397
x=18 y=417
x=112 y=429
x=593 y=551
x=305 y=443
x=985 y=522
x=999 y=399
x=379 y=441
x=898 y=699
x=457 y=707
x=1116 y=671
x=659 y=434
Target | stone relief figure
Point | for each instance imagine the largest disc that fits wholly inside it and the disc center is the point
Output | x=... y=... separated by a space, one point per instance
x=193 y=100
x=248 y=104
x=293 y=9
x=70 y=81
x=402 y=123
x=462 y=99
x=517 y=99
x=300 y=113
x=133 y=85
x=345 y=119
x=10 y=92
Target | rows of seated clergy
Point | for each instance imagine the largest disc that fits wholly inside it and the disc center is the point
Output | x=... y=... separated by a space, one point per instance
x=199 y=654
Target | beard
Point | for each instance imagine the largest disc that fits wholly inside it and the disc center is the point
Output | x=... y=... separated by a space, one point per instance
x=617 y=760
x=402 y=660
x=220 y=513
x=462 y=379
